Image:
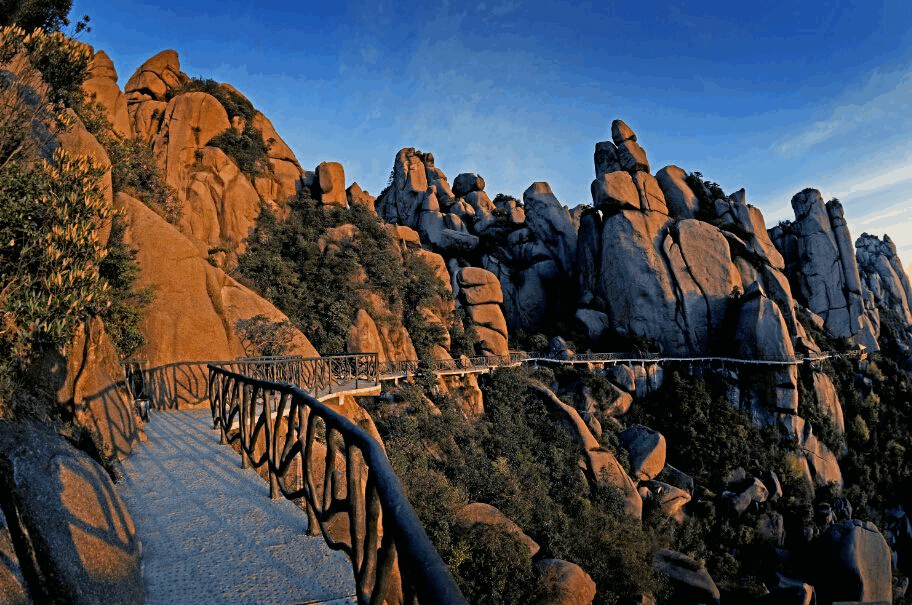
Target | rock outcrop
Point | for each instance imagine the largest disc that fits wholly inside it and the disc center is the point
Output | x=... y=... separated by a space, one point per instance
x=67 y=516
x=184 y=279
x=821 y=261
x=478 y=292
x=101 y=86
x=885 y=278
x=853 y=564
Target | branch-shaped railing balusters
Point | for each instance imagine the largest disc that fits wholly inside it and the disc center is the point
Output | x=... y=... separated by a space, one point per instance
x=314 y=454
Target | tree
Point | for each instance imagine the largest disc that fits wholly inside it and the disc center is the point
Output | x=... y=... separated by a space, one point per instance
x=49 y=15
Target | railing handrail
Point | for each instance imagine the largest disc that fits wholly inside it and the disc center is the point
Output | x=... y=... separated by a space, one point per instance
x=429 y=575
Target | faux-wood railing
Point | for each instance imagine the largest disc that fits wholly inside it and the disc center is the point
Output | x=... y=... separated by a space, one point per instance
x=352 y=496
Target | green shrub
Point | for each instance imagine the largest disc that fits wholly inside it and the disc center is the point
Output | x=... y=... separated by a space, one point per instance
x=134 y=171
x=247 y=149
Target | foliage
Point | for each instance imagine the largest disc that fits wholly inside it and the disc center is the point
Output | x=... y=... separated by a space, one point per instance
x=120 y=270
x=518 y=459
x=263 y=338
x=134 y=171
x=247 y=149
x=234 y=103
x=43 y=77
x=51 y=222
x=704 y=433
x=49 y=15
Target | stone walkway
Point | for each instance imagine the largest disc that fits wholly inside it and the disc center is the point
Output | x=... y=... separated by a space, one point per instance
x=210 y=533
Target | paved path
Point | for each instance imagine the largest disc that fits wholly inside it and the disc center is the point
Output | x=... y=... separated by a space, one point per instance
x=210 y=533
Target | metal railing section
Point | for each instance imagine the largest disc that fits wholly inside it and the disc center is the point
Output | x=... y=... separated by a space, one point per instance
x=320 y=375
x=352 y=496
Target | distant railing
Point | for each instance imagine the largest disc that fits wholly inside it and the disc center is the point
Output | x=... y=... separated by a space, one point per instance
x=319 y=375
x=313 y=453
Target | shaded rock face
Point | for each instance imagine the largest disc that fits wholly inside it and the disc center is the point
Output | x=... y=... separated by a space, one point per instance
x=79 y=541
x=825 y=269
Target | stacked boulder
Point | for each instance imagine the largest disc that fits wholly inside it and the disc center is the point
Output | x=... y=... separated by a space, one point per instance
x=536 y=237
x=479 y=293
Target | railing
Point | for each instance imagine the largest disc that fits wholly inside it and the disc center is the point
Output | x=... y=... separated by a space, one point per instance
x=314 y=454
x=318 y=375
x=460 y=364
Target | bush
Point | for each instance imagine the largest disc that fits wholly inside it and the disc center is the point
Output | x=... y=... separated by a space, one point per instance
x=134 y=171
x=247 y=149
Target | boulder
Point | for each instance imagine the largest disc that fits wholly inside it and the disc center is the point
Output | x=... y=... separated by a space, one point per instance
x=467 y=183
x=400 y=202
x=593 y=323
x=478 y=512
x=285 y=177
x=646 y=448
x=828 y=400
x=190 y=121
x=700 y=265
x=614 y=191
x=220 y=206
x=884 y=276
x=566 y=582
x=689 y=580
x=634 y=283
x=623 y=376
x=632 y=157
x=752 y=491
x=156 y=77
x=828 y=276
x=364 y=336
x=651 y=197
x=852 y=563
x=550 y=223
x=67 y=515
x=331 y=184
x=670 y=499
x=621 y=132
x=680 y=199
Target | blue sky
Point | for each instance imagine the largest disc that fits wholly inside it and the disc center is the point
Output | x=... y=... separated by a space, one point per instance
x=774 y=97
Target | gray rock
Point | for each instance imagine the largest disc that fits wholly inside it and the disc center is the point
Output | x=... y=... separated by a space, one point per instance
x=885 y=276
x=606 y=158
x=646 y=448
x=466 y=183
x=589 y=255
x=852 y=563
x=829 y=281
x=551 y=224
x=594 y=323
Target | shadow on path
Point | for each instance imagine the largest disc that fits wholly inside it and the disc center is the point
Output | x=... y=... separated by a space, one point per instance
x=209 y=531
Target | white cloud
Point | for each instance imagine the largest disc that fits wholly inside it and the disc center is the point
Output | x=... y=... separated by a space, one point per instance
x=884 y=97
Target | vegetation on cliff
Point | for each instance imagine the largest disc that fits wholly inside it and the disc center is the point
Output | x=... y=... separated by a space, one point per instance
x=321 y=285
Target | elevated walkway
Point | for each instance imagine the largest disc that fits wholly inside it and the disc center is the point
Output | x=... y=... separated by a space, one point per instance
x=210 y=533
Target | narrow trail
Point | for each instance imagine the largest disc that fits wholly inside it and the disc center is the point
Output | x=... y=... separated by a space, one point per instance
x=210 y=533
